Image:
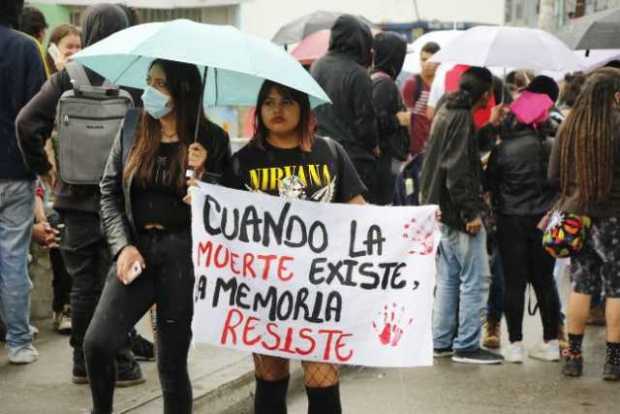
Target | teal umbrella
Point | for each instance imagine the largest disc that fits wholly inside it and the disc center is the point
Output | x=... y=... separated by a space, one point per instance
x=235 y=64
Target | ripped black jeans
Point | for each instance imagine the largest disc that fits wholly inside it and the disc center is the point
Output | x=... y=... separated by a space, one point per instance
x=167 y=281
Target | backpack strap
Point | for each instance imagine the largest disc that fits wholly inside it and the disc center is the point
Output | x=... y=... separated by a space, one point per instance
x=128 y=132
x=379 y=75
x=77 y=74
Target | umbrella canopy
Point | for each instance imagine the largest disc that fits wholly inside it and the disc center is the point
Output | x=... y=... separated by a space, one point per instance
x=512 y=47
x=595 y=31
x=149 y=4
x=441 y=37
x=237 y=64
x=304 y=26
x=312 y=47
x=593 y=59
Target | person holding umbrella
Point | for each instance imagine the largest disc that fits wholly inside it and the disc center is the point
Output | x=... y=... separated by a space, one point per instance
x=284 y=144
x=148 y=227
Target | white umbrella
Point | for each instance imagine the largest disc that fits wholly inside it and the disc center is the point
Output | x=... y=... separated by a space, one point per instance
x=441 y=37
x=509 y=47
x=597 y=57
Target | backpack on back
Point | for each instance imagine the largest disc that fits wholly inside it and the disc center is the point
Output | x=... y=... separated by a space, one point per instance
x=88 y=119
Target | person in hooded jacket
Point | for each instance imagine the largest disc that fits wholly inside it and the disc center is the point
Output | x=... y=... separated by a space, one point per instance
x=84 y=247
x=392 y=117
x=21 y=76
x=350 y=119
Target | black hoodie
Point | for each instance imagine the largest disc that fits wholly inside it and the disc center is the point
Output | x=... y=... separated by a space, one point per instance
x=35 y=122
x=343 y=74
x=390 y=51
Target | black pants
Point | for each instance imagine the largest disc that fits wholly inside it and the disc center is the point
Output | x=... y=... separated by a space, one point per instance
x=87 y=259
x=167 y=281
x=386 y=179
x=61 y=281
x=524 y=260
x=367 y=170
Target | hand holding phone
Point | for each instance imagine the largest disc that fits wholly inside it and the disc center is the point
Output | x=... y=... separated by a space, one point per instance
x=134 y=272
x=54 y=52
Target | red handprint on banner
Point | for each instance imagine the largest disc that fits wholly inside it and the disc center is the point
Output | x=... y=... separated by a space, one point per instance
x=391 y=325
x=420 y=233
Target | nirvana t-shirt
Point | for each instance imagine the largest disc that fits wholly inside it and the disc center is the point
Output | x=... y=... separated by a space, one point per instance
x=324 y=174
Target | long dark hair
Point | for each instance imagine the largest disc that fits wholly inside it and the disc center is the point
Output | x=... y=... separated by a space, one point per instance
x=307 y=123
x=474 y=83
x=587 y=138
x=185 y=86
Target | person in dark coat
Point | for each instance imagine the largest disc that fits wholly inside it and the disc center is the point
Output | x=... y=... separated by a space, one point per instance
x=392 y=117
x=516 y=176
x=451 y=178
x=84 y=248
x=350 y=119
x=21 y=75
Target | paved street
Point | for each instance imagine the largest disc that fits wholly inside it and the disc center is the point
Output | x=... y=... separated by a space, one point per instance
x=534 y=387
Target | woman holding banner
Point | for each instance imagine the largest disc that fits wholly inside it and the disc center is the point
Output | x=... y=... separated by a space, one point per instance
x=304 y=167
x=148 y=227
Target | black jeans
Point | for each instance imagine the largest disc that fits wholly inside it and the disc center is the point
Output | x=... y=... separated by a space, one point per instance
x=61 y=281
x=87 y=259
x=524 y=260
x=386 y=179
x=168 y=281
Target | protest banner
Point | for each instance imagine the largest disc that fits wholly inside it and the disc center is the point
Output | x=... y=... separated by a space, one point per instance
x=336 y=283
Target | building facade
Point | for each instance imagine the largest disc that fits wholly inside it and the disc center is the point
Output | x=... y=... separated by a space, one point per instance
x=527 y=12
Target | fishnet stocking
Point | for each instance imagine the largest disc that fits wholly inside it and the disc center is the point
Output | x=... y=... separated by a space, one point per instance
x=270 y=368
x=319 y=375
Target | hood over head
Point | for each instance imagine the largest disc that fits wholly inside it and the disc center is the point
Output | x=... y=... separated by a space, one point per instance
x=100 y=21
x=390 y=51
x=352 y=37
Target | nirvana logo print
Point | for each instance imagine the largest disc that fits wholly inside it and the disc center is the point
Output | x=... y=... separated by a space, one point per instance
x=294 y=181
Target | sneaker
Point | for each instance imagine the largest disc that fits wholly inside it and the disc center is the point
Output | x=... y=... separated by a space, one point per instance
x=142 y=348
x=515 y=353
x=62 y=321
x=442 y=352
x=611 y=372
x=491 y=332
x=546 y=351
x=130 y=376
x=34 y=331
x=573 y=365
x=23 y=355
x=479 y=356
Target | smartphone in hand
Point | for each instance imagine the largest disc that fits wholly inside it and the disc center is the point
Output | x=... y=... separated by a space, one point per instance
x=54 y=52
x=134 y=272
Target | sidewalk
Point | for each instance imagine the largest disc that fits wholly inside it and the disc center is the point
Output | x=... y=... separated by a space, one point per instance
x=222 y=379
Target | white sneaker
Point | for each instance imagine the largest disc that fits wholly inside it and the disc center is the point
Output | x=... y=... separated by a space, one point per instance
x=546 y=351
x=23 y=355
x=515 y=353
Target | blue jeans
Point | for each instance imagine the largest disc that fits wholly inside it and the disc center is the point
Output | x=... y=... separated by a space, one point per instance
x=462 y=273
x=16 y=218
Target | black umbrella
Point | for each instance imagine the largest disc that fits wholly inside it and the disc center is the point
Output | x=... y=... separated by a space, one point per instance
x=595 y=31
x=300 y=28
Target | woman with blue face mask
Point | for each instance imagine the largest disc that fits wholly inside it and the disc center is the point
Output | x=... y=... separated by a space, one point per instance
x=148 y=227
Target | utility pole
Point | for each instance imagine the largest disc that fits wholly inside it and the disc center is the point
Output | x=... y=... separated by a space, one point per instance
x=546 y=15
x=416 y=9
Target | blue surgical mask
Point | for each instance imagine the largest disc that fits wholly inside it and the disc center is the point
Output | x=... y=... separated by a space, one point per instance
x=155 y=103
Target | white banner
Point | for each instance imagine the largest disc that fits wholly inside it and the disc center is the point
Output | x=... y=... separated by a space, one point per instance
x=336 y=283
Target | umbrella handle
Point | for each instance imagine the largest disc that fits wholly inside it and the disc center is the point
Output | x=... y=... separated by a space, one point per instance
x=189 y=172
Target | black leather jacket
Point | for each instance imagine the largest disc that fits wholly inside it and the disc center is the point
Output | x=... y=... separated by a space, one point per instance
x=516 y=174
x=116 y=208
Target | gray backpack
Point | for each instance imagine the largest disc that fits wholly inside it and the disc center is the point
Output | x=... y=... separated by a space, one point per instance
x=88 y=119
